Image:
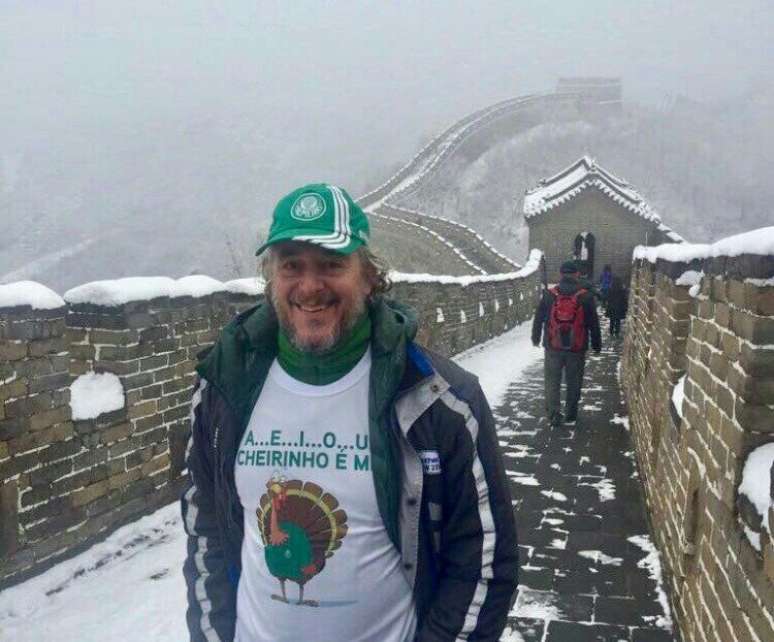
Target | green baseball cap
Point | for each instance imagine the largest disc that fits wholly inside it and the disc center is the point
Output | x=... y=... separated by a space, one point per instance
x=321 y=214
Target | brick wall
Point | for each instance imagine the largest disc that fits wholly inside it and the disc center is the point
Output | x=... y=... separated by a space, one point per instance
x=616 y=230
x=410 y=246
x=462 y=237
x=722 y=340
x=65 y=483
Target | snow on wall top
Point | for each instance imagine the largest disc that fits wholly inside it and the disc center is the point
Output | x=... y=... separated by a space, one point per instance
x=252 y=286
x=461 y=226
x=436 y=235
x=760 y=241
x=138 y=288
x=581 y=175
x=532 y=264
x=38 y=296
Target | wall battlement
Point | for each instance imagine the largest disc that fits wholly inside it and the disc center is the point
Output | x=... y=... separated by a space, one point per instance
x=65 y=482
x=706 y=322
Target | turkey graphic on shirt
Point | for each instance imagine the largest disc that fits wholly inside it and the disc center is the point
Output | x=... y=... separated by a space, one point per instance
x=301 y=527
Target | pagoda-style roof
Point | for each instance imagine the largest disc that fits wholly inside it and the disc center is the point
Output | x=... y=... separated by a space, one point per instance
x=581 y=175
x=584 y=174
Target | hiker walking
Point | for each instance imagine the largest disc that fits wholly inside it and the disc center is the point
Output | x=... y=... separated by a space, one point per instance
x=567 y=319
x=605 y=281
x=617 y=303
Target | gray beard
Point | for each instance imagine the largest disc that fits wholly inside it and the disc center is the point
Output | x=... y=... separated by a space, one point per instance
x=322 y=345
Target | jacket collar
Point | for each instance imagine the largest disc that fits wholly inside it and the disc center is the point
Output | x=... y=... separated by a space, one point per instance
x=248 y=344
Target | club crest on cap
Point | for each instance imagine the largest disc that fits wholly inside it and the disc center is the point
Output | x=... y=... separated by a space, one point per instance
x=308 y=207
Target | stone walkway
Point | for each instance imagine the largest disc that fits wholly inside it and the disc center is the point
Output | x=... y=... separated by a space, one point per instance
x=580 y=514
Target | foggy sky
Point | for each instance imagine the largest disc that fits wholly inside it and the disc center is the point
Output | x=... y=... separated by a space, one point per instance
x=103 y=101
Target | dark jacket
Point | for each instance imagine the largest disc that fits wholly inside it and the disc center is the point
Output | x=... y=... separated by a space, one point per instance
x=617 y=302
x=454 y=530
x=540 y=321
x=605 y=281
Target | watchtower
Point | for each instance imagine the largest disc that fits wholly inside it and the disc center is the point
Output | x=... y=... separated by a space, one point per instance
x=586 y=212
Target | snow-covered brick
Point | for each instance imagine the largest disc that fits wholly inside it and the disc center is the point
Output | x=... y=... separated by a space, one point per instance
x=756 y=480
x=465 y=281
x=463 y=317
x=760 y=242
x=481 y=312
x=690 y=277
x=496 y=305
x=137 y=288
x=439 y=318
x=120 y=291
x=678 y=393
x=92 y=394
x=197 y=286
x=675 y=252
x=37 y=296
x=252 y=286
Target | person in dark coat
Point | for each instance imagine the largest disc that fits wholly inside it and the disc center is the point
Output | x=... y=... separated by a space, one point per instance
x=569 y=358
x=605 y=280
x=617 y=302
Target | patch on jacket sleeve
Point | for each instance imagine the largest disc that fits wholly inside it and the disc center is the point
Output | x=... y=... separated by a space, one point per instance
x=431 y=462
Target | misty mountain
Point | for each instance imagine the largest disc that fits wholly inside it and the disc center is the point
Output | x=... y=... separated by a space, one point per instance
x=703 y=168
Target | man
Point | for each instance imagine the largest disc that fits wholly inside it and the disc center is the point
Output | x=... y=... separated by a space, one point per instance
x=345 y=483
x=567 y=318
x=605 y=281
x=617 y=303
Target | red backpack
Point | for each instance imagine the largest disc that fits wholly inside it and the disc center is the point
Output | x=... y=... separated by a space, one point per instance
x=566 y=323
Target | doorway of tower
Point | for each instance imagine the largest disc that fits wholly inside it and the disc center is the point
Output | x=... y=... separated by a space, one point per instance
x=583 y=252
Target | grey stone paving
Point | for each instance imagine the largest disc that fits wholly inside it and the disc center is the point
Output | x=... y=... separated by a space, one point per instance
x=577 y=499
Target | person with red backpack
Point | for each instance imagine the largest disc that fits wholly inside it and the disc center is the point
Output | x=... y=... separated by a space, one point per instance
x=567 y=319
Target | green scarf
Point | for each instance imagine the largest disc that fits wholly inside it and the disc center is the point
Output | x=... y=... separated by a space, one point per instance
x=323 y=368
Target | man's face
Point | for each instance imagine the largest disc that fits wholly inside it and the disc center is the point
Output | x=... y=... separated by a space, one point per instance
x=318 y=294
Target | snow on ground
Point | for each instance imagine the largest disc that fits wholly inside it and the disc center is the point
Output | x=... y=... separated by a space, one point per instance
x=605 y=487
x=501 y=361
x=652 y=562
x=623 y=421
x=91 y=394
x=601 y=558
x=130 y=587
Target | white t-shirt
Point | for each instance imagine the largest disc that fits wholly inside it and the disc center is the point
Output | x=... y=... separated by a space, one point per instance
x=310 y=516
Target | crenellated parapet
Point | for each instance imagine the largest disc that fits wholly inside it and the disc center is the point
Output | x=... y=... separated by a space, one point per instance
x=95 y=391
x=698 y=373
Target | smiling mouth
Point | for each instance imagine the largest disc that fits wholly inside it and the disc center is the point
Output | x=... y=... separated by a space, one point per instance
x=312 y=309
